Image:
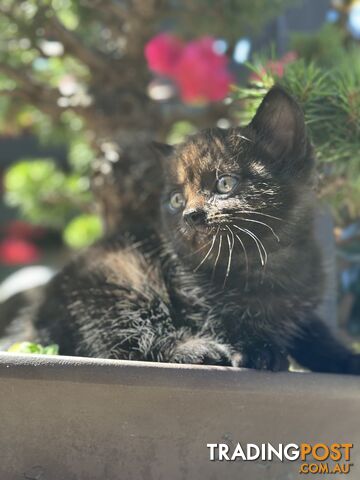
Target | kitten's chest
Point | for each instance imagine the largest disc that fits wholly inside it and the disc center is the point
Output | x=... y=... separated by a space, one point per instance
x=236 y=312
x=197 y=302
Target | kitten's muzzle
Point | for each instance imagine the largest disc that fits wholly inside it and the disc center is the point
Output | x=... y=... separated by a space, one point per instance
x=194 y=217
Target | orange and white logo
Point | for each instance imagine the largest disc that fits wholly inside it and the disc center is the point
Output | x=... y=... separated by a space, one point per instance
x=319 y=458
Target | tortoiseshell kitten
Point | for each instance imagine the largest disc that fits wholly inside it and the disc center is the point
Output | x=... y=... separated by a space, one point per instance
x=234 y=278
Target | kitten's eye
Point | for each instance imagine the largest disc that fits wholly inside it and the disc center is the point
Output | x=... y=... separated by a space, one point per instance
x=177 y=201
x=226 y=184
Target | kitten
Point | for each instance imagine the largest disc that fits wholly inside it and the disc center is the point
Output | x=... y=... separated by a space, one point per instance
x=233 y=278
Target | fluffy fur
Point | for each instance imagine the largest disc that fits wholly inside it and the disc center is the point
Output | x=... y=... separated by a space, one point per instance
x=233 y=278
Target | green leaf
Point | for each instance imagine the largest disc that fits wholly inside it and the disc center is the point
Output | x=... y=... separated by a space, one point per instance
x=29 y=347
x=83 y=231
x=179 y=131
x=46 y=195
x=51 y=349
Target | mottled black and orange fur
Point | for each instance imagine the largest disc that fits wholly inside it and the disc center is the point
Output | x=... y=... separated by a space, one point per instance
x=239 y=287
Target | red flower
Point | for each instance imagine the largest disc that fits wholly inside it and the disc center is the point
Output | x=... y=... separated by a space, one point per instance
x=200 y=73
x=275 y=67
x=20 y=229
x=163 y=52
x=17 y=252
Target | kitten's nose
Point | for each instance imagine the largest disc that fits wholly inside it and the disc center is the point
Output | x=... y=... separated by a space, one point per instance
x=194 y=216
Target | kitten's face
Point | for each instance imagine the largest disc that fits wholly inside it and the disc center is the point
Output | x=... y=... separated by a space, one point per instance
x=228 y=189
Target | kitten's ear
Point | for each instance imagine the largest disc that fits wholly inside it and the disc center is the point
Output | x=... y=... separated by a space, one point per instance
x=162 y=149
x=279 y=125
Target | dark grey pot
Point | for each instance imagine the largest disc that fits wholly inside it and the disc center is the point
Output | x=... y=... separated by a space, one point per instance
x=67 y=418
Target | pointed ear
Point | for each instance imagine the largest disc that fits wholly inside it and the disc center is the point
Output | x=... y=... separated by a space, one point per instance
x=279 y=125
x=162 y=149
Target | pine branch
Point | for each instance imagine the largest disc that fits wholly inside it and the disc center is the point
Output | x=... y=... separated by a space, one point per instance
x=330 y=99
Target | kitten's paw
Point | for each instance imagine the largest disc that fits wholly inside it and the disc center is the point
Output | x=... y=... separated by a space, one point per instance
x=266 y=358
x=202 y=351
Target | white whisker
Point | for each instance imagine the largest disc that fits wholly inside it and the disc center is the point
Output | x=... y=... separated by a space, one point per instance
x=261 y=213
x=231 y=247
x=256 y=240
x=245 y=253
x=218 y=254
x=260 y=243
x=199 y=249
x=208 y=253
x=261 y=223
x=245 y=138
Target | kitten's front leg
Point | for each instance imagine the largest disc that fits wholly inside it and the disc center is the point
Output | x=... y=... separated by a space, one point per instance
x=315 y=347
x=260 y=356
x=201 y=350
x=249 y=349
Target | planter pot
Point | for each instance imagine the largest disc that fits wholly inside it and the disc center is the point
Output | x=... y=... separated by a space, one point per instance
x=69 y=418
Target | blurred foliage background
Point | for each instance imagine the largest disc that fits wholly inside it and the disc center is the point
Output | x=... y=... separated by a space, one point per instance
x=73 y=76
x=62 y=66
